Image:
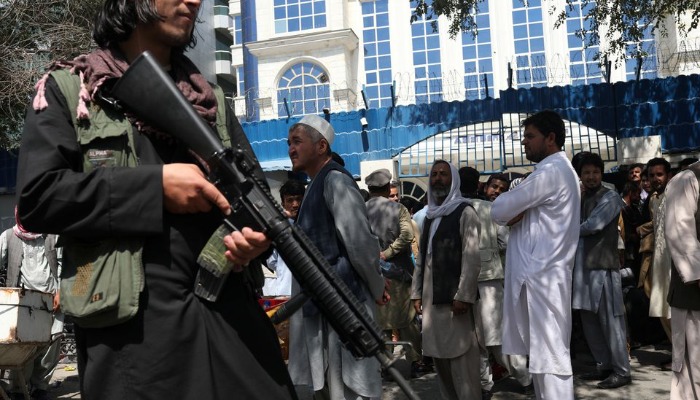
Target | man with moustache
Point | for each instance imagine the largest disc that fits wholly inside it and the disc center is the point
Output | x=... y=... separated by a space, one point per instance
x=655 y=275
x=334 y=217
x=543 y=211
x=444 y=288
x=495 y=186
x=124 y=193
x=597 y=281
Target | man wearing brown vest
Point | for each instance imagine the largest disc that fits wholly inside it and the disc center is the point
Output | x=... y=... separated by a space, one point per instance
x=683 y=242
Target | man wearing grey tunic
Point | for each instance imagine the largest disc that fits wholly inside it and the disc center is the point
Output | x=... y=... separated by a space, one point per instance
x=445 y=287
x=391 y=222
x=597 y=286
x=334 y=216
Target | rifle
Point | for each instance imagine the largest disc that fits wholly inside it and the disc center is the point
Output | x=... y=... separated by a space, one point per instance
x=147 y=91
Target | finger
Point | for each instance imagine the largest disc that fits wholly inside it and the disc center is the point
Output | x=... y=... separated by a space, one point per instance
x=213 y=195
x=255 y=238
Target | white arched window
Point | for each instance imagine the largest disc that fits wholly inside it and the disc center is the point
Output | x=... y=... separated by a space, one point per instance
x=305 y=88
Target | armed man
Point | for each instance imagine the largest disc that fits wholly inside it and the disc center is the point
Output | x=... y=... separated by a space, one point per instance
x=120 y=192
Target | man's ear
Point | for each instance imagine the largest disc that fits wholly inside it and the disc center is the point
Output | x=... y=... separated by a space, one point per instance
x=323 y=148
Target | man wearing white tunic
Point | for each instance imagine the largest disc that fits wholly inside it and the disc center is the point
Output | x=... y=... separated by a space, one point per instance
x=444 y=287
x=543 y=212
x=683 y=242
x=489 y=309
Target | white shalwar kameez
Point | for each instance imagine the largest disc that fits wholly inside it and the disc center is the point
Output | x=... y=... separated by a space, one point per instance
x=539 y=263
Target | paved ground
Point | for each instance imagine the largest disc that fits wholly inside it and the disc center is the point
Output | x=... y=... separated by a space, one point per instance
x=649 y=382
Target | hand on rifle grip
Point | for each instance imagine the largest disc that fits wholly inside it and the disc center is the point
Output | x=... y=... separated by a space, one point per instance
x=244 y=246
x=186 y=191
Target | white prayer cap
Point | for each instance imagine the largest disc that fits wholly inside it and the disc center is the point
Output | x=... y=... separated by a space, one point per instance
x=321 y=125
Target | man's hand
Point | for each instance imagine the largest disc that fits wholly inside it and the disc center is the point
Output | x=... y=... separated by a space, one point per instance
x=516 y=219
x=418 y=306
x=385 y=298
x=244 y=246
x=187 y=191
x=57 y=301
x=460 y=307
x=385 y=295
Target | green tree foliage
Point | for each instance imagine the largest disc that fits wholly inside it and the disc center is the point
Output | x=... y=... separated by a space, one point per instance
x=32 y=34
x=625 y=20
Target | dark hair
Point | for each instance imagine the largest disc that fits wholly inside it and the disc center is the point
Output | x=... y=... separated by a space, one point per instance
x=469 y=178
x=659 y=161
x=117 y=19
x=629 y=188
x=686 y=162
x=379 y=189
x=547 y=122
x=576 y=159
x=365 y=194
x=498 y=177
x=635 y=165
x=337 y=158
x=410 y=203
x=292 y=187
x=588 y=158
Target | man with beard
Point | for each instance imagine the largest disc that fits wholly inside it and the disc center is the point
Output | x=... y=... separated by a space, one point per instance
x=445 y=287
x=334 y=217
x=495 y=185
x=655 y=272
x=597 y=283
x=543 y=211
x=120 y=192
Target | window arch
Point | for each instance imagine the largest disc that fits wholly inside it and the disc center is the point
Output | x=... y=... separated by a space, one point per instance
x=305 y=87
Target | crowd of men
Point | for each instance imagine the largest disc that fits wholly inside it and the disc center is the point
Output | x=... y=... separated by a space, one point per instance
x=472 y=286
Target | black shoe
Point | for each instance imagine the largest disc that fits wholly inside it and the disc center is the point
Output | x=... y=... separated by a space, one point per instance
x=419 y=368
x=486 y=394
x=615 y=380
x=597 y=375
x=529 y=390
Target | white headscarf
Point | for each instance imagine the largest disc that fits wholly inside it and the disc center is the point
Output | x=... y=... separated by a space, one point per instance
x=453 y=199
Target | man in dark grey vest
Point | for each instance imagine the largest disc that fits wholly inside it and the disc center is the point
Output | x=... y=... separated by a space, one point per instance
x=597 y=286
x=683 y=242
x=444 y=287
x=334 y=217
x=32 y=262
x=390 y=221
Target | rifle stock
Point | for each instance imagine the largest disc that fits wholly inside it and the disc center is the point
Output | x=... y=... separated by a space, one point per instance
x=148 y=92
